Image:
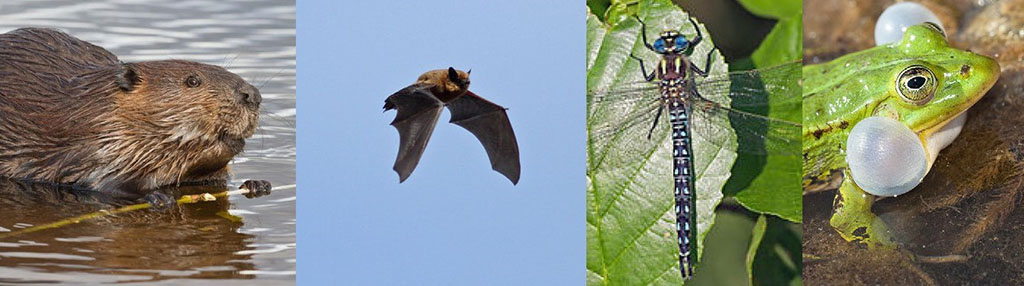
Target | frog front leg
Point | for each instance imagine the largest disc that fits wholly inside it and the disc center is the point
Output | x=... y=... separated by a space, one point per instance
x=853 y=218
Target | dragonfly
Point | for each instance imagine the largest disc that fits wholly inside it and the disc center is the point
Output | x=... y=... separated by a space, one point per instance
x=714 y=107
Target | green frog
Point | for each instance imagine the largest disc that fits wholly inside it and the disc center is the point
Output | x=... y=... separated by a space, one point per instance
x=920 y=82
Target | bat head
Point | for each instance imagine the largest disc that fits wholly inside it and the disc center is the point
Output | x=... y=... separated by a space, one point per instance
x=447 y=85
x=459 y=78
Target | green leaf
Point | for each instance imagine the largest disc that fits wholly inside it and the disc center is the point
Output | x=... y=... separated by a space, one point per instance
x=774 y=256
x=783 y=44
x=618 y=12
x=775 y=189
x=597 y=8
x=595 y=36
x=755 y=241
x=723 y=262
x=775 y=9
x=631 y=236
x=771 y=184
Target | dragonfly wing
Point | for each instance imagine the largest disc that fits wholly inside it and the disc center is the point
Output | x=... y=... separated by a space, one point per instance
x=619 y=130
x=749 y=94
x=631 y=92
x=756 y=88
x=756 y=134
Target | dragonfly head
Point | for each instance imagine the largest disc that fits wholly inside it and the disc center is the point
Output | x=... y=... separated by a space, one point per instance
x=671 y=42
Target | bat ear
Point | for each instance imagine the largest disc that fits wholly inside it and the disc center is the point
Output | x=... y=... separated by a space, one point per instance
x=453 y=75
x=127 y=78
x=470 y=71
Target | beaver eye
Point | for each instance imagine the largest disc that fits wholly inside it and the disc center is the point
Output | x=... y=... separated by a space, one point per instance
x=916 y=84
x=192 y=81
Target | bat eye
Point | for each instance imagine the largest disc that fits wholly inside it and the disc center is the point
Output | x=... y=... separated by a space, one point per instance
x=659 y=45
x=193 y=81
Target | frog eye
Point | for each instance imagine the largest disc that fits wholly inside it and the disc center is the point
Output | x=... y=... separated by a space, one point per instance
x=916 y=84
x=659 y=45
x=935 y=27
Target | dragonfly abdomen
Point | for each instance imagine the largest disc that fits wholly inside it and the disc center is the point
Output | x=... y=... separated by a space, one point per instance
x=685 y=195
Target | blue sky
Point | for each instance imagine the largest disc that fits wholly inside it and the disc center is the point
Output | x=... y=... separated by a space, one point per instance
x=454 y=221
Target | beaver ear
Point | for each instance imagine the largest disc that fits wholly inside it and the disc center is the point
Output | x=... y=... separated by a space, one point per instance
x=127 y=78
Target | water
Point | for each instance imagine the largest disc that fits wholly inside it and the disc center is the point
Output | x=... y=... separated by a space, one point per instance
x=196 y=244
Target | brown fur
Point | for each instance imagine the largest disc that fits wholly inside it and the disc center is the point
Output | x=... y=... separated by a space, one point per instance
x=444 y=88
x=72 y=113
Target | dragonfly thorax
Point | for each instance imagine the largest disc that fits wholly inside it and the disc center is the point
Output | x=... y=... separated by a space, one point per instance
x=673 y=66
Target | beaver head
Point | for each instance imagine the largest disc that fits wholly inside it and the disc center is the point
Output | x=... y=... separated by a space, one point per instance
x=71 y=113
x=204 y=108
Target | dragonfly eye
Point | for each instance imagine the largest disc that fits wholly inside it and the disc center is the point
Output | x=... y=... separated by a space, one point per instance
x=659 y=45
x=681 y=43
x=916 y=84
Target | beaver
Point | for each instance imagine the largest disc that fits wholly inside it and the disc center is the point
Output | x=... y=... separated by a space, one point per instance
x=72 y=113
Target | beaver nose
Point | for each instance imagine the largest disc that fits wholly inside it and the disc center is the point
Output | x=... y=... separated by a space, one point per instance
x=250 y=96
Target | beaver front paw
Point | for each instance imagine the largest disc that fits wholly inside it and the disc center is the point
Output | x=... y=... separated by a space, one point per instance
x=257 y=188
x=160 y=201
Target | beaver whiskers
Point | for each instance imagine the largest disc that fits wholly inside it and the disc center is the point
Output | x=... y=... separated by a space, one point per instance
x=72 y=113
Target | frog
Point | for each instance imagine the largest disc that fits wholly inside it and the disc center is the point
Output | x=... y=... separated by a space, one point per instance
x=920 y=81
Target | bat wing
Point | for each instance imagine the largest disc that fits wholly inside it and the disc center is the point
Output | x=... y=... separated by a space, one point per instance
x=418 y=110
x=489 y=123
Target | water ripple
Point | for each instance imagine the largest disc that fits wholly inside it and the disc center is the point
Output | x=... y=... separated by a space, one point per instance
x=253 y=38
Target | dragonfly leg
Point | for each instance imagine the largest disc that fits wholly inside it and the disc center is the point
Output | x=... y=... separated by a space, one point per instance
x=643 y=32
x=656 y=117
x=693 y=44
x=707 y=64
x=643 y=70
x=696 y=40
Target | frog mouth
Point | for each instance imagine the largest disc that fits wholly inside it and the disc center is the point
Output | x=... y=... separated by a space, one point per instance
x=981 y=76
x=941 y=135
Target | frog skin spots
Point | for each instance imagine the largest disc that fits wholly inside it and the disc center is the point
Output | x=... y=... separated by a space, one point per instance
x=919 y=84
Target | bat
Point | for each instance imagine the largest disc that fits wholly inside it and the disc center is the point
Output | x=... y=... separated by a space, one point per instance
x=419 y=106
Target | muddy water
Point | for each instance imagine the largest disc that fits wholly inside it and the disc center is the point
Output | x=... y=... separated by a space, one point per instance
x=965 y=218
x=249 y=241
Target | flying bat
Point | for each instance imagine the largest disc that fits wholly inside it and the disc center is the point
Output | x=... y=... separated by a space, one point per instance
x=419 y=105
